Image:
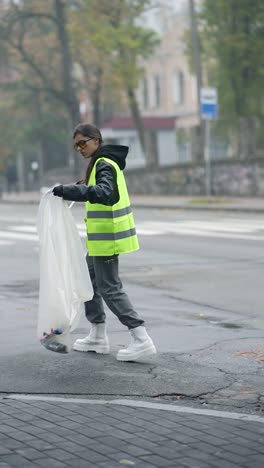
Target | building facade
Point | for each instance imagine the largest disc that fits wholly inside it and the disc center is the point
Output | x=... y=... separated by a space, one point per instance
x=168 y=90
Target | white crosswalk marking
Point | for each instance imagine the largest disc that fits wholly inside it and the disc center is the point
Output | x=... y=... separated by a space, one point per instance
x=3 y=242
x=227 y=229
x=18 y=236
x=23 y=228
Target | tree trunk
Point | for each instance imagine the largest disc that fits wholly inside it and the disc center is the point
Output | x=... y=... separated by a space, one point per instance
x=96 y=98
x=198 y=155
x=247 y=122
x=247 y=137
x=135 y=112
x=70 y=97
x=66 y=70
x=20 y=167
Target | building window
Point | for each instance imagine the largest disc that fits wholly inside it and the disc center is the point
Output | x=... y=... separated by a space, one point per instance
x=145 y=93
x=156 y=91
x=178 y=87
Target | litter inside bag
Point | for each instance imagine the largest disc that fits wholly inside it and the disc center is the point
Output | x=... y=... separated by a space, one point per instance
x=64 y=278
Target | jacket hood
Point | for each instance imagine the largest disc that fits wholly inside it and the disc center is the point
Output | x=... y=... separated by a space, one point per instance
x=116 y=153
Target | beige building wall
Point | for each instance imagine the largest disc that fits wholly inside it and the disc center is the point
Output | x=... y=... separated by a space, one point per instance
x=169 y=88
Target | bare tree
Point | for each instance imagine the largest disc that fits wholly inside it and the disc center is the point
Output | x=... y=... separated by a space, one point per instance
x=37 y=36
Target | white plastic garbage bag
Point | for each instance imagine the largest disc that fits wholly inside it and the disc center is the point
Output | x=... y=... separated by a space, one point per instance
x=64 y=278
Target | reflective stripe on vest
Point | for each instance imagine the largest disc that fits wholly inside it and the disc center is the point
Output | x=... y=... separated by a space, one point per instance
x=110 y=214
x=111 y=229
x=113 y=235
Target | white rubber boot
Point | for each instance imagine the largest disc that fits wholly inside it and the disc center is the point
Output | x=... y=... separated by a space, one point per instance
x=96 y=341
x=141 y=346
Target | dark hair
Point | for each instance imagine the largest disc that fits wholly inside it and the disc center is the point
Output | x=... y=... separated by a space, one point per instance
x=88 y=131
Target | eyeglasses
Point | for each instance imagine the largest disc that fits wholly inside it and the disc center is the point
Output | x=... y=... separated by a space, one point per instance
x=80 y=145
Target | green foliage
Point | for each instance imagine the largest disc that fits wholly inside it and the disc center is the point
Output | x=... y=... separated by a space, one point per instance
x=29 y=120
x=32 y=112
x=232 y=34
x=105 y=36
x=110 y=38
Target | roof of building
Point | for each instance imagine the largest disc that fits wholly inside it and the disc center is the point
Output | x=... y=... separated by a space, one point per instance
x=152 y=122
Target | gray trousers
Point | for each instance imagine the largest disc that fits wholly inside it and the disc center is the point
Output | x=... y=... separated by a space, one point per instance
x=107 y=286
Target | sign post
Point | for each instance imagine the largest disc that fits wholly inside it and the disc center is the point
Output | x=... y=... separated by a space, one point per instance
x=208 y=111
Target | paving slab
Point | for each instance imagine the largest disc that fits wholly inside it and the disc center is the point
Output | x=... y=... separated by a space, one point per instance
x=139 y=434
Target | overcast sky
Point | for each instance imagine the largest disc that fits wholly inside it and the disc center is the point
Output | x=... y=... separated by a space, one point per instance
x=163 y=10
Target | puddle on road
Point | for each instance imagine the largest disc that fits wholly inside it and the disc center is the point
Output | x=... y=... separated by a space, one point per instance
x=218 y=323
x=229 y=325
x=226 y=324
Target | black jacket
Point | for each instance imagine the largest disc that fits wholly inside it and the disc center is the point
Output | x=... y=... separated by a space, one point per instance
x=105 y=191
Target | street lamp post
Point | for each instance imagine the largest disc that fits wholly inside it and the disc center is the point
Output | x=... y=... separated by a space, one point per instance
x=208 y=110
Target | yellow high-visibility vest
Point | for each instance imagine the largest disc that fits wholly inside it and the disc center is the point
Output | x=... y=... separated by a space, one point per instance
x=110 y=229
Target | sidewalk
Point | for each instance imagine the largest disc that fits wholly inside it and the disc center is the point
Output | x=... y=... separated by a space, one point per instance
x=255 y=205
x=62 y=433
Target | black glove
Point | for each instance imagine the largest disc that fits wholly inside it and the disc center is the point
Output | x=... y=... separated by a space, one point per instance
x=58 y=191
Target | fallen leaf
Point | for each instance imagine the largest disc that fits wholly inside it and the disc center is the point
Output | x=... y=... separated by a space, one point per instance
x=258 y=353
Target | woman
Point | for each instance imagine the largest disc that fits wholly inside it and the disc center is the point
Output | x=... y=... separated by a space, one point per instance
x=110 y=232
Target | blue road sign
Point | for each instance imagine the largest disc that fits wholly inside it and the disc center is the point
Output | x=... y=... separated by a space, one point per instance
x=208 y=103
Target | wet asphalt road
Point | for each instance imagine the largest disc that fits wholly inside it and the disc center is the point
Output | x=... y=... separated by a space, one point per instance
x=197 y=281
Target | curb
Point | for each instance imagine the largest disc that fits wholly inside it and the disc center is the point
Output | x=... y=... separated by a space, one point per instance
x=140 y=404
x=163 y=206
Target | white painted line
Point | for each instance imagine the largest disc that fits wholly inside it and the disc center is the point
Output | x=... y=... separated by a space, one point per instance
x=143 y=404
x=22 y=228
x=15 y=219
x=149 y=232
x=221 y=226
x=33 y=229
x=6 y=242
x=159 y=228
x=196 y=232
x=18 y=236
x=26 y=233
x=203 y=229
